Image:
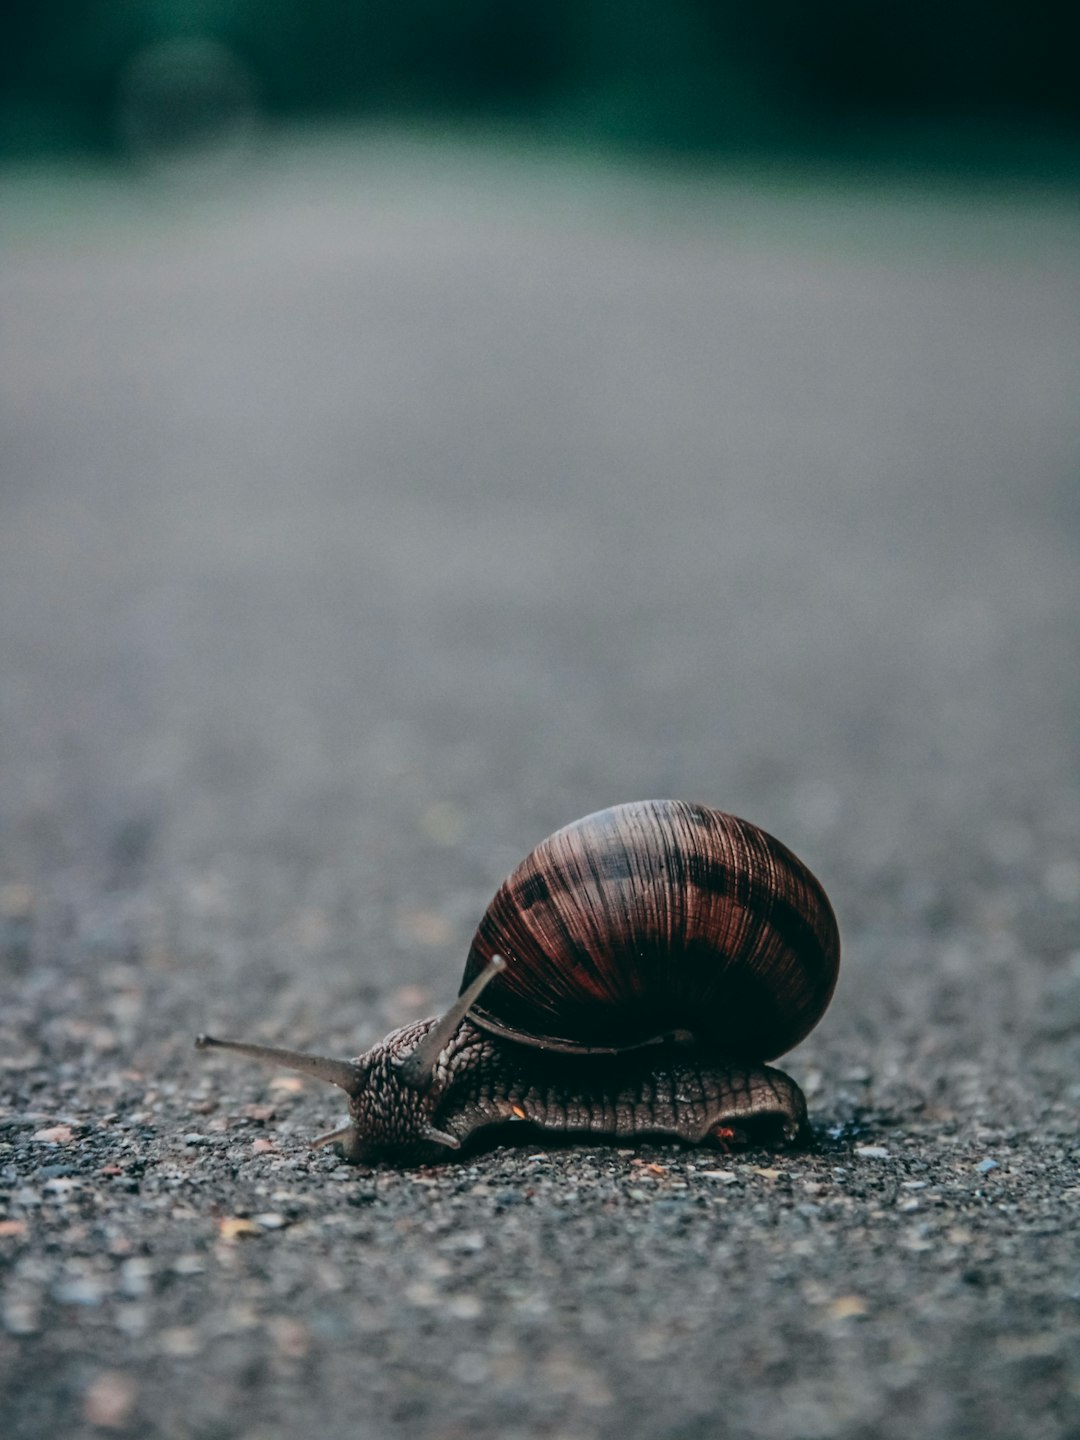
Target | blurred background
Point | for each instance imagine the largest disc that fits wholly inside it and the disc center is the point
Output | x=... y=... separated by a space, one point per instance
x=956 y=81
x=424 y=424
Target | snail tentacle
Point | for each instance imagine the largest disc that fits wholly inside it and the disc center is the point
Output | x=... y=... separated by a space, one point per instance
x=345 y=1074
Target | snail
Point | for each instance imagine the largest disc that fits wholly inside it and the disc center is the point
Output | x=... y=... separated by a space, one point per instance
x=630 y=978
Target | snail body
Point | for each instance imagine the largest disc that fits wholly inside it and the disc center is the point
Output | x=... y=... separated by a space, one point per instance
x=630 y=978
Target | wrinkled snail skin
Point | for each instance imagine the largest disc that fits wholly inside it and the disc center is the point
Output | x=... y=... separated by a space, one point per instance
x=629 y=979
x=671 y=1090
x=623 y=1098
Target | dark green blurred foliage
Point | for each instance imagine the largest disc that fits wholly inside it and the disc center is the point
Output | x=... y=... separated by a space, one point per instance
x=675 y=73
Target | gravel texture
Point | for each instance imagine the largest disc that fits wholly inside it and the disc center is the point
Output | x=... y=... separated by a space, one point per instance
x=360 y=524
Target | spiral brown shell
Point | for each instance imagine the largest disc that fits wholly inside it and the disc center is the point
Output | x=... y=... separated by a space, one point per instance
x=655 y=917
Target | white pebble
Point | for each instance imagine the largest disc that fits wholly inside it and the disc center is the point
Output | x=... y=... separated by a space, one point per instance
x=271 y=1220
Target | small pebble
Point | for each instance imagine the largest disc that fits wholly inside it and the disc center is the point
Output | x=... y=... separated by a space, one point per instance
x=464 y=1307
x=54 y=1135
x=261 y=1113
x=188 y=1265
x=468 y=1243
x=109 y=1401
x=233 y=1227
x=133 y=1319
x=422 y=927
x=20 y=1315
x=985 y=1166
x=871 y=1152
x=79 y=1290
x=61 y=1185
x=271 y=1220
x=291 y=1338
x=422 y=1293
x=135 y=1276
x=181 y=1341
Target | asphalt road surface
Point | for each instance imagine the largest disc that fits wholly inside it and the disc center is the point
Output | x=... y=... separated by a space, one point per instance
x=363 y=521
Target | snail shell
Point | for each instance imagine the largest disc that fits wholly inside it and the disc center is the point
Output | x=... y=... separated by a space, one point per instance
x=652 y=918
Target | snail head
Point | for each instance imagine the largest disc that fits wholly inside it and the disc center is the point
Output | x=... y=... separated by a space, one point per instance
x=372 y=1078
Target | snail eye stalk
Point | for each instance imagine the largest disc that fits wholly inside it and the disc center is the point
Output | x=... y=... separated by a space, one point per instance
x=343 y=1073
x=417 y=1068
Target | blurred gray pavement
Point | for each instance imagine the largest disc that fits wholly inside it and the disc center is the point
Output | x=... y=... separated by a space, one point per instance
x=361 y=524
